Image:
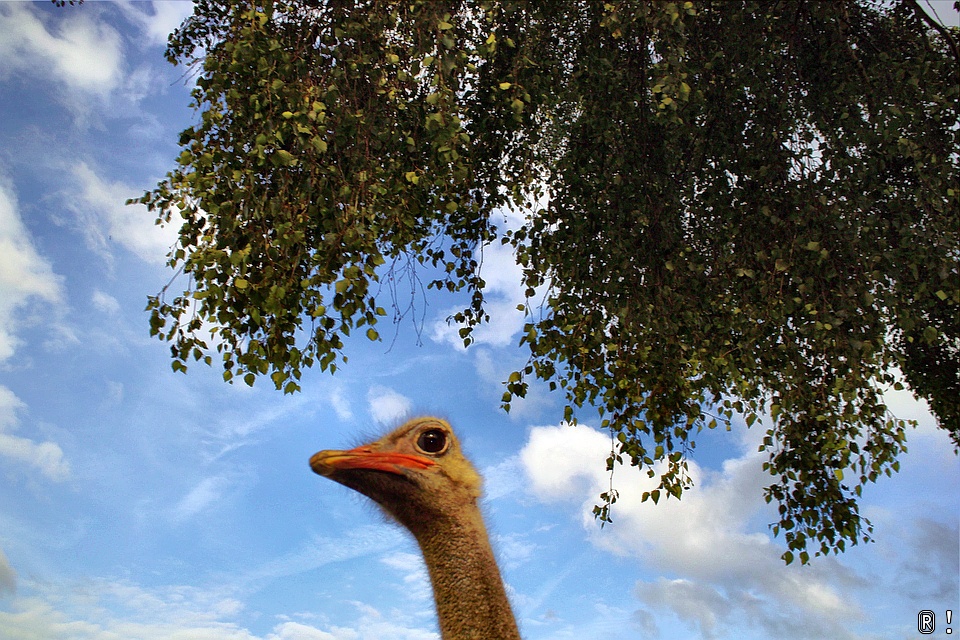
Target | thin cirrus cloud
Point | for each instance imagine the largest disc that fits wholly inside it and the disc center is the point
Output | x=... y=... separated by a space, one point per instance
x=184 y=611
x=202 y=495
x=158 y=613
x=319 y=551
x=340 y=402
x=105 y=219
x=105 y=303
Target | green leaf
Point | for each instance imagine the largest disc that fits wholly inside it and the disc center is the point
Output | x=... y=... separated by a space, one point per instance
x=673 y=226
x=284 y=158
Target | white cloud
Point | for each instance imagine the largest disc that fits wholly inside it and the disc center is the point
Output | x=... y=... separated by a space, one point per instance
x=320 y=551
x=388 y=406
x=565 y=462
x=47 y=457
x=9 y=405
x=904 y=405
x=81 y=54
x=410 y=564
x=82 y=60
x=724 y=570
x=494 y=368
x=104 y=218
x=714 y=609
x=373 y=625
x=24 y=275
x=513 y=550
x=184 y=603
x=503 y=292
x=99 y=609
x=157 y=26
x=113 y=610
x=89 y=611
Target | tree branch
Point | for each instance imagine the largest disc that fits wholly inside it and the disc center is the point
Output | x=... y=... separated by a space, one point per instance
x=923 y=15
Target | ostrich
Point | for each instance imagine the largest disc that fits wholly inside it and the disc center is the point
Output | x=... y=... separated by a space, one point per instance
x=419 y=476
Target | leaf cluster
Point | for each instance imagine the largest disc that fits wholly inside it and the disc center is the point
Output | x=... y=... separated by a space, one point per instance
x=743 y=209
x=755 y=212
x=332 y=141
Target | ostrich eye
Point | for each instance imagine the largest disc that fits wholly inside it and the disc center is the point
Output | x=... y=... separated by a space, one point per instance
x=432 y=441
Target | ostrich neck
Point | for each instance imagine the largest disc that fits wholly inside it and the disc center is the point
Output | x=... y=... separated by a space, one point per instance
x=467 y=587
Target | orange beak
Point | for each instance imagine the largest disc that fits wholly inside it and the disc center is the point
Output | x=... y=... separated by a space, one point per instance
x=327 y=463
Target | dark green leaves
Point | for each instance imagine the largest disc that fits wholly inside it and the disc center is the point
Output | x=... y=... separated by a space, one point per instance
x=738 y=213
x=745 y=208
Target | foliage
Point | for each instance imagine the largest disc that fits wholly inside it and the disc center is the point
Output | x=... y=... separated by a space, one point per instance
x=748 y=208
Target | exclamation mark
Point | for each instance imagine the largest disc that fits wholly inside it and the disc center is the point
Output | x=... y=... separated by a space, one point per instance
x=949 y=618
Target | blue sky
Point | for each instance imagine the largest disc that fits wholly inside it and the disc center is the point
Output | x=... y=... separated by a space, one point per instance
x=140 y=503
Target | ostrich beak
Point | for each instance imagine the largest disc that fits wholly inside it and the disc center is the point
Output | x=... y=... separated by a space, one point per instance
x=327 y=463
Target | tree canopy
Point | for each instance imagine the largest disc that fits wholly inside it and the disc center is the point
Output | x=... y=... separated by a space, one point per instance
x=734 y=208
